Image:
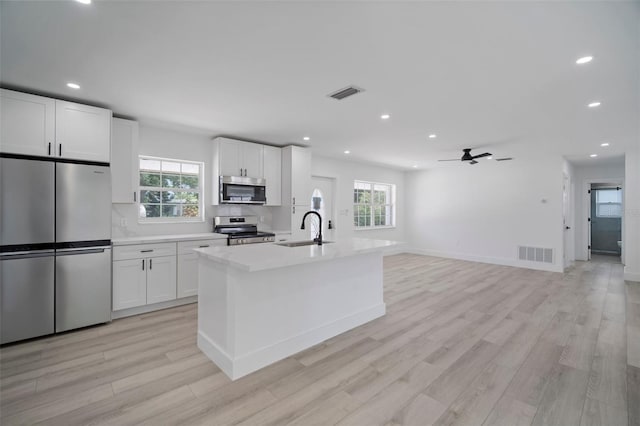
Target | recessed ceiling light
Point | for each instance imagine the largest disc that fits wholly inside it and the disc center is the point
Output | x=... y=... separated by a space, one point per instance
x=604 y=144
x=73 y=85
x=433 y=136
x=385 y=116
x=415 y=166
x=306 y=138
x=584 y=60
x=489 y=158
x=593 y=155
x=347 y=152
x=84 y=1
x=594 y=104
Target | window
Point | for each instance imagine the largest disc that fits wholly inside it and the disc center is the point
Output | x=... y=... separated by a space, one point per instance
x=170 y=190
x=608 y=203
x=373 y=205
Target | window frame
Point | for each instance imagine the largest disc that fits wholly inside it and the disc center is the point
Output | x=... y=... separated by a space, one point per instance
x=608 y=203
x=167 y=219
x=373 y=204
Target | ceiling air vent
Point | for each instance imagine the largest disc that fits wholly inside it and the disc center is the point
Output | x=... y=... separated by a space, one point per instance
x=346 y=92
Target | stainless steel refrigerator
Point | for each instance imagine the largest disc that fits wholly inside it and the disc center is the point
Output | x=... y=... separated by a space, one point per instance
x=55 y=246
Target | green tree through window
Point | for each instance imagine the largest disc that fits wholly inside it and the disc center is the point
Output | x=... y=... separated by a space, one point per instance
x=373 y=204
x=170 y=189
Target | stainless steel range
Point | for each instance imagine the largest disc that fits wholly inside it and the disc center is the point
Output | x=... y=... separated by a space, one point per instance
x=241 y=230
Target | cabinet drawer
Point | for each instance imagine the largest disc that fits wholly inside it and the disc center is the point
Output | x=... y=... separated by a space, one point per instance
x=186 y=247
x=138 y=251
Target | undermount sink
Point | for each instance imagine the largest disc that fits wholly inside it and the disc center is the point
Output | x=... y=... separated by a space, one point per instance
x=301 y=243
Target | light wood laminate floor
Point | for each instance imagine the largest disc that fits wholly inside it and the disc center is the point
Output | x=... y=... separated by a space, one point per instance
x=462 y=343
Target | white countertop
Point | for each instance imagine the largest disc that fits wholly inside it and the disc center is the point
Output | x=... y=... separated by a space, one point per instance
x=258 y=257
x=143 y=239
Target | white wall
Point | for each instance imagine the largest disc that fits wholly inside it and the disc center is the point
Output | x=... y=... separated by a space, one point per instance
x=483 y=212
x=605 y=173
x=345 y=172
x=161 y=142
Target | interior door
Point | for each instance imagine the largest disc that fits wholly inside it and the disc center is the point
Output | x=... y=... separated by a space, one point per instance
x=566 y=219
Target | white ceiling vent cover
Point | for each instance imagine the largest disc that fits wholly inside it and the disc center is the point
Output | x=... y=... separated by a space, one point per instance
x=346 y=92
x=535 y=254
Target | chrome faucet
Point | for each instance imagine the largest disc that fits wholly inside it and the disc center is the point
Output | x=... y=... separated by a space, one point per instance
x=318 y=238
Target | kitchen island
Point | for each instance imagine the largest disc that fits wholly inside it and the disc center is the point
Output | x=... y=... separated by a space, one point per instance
x=260 y=303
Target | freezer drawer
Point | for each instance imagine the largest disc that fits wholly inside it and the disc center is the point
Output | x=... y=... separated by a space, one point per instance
x=83 y=287
x=26 y=296
x=83 y=202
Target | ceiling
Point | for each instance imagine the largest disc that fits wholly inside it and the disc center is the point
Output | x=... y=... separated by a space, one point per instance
x=498 y=76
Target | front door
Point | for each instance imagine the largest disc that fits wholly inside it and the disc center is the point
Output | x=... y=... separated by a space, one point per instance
x=322 y=202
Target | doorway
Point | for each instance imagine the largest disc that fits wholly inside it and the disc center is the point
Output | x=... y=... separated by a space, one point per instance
x=322 y=201
x=605 y=224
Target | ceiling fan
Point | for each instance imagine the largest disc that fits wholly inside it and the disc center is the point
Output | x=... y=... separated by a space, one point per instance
x=472 y=158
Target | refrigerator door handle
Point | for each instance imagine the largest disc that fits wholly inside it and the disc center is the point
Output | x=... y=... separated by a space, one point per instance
x=70 y=252
x=60 y=150
x=49 y=150
x=26 y=254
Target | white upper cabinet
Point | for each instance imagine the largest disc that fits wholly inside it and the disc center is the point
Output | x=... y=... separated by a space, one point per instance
x=28 y=124
x=36 y=125
x=273 y=175
x=124 y=160
x=229 y=158
x=238 y=158
x=83 y=132
x=296 y=176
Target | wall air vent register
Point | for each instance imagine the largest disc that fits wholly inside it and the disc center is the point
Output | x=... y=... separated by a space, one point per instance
x=535 y=254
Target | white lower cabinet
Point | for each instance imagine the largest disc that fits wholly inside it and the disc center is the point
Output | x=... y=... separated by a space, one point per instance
x=145 y=274
x=161 y=279
x=129 y=284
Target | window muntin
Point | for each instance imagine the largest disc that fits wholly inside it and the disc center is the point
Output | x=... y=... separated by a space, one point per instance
x=373 y=205
x=170 y=190
x=608 y=203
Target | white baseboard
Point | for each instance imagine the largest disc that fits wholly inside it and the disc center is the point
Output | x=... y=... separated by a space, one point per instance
x=486 y=259
x=248 y=363
x=631 y=276
x=155 y=307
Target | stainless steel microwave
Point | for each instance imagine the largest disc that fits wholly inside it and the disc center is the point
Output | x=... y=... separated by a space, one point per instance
x=242 y=190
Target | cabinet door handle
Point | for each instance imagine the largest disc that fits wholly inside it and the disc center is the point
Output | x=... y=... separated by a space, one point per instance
x=60 y=150
x=240 y=171
x=135 y=196
x=294 y=209
x=143 y=264
x=203 y=246
x=49 y=149
x=150 y=263
x=294 y=200
x=146 y=251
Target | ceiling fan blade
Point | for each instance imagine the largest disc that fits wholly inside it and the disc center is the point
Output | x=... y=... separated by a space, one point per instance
x=504 y=159
x=472 y=162
x=486 y=154
x=455 y=159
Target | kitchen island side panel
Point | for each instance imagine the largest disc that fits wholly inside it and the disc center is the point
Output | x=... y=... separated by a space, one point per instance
x=272 y=314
